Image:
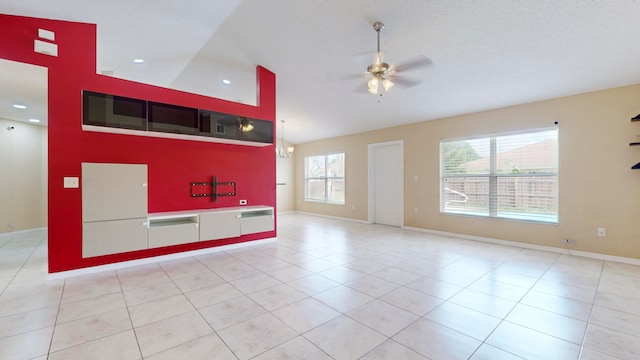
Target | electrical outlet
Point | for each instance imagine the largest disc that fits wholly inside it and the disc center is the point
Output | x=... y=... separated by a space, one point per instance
x=568 y=241
x=602 y=232
x=71 y=182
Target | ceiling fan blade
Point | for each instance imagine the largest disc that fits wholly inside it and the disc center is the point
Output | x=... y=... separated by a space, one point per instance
x=404 y=82
x=336 y=77
x=416 y=63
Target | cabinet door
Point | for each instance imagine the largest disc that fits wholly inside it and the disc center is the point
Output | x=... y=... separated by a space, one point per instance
x=111 y=237
x=173 y=235
x=219 y=225
x=113 y=191
x=256 y=224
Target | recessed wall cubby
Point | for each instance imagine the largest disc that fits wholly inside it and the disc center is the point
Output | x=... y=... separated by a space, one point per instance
x=111 y=113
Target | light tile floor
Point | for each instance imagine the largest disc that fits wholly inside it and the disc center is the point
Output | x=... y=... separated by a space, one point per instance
x=327 y=289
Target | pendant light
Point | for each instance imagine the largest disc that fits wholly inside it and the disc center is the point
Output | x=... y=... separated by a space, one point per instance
x=281 y=151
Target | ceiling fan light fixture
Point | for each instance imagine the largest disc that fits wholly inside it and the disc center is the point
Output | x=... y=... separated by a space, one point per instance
x=387 y=84
x=373 y=85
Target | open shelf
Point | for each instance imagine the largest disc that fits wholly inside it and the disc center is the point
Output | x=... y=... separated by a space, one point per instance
x=249 y=214
x=171 y=222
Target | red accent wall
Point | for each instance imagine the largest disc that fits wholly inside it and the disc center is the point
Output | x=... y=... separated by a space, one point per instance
x=172 y=164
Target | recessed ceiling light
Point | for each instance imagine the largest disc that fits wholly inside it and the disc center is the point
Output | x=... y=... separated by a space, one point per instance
x=34 y=120
x=19 y=106
x=138 y=61
x=226 y=82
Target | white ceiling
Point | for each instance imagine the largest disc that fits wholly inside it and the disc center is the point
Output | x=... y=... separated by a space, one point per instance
x=486 y=54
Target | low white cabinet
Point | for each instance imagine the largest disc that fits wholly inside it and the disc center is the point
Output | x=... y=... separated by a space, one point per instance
x=216 y=225
x=233 y=222
x=255 y=221
x=173 y=230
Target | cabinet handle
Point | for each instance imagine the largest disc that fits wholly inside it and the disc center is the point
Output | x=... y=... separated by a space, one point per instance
x=145 y=224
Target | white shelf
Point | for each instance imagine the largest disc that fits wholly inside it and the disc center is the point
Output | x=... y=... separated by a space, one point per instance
x=112 y=130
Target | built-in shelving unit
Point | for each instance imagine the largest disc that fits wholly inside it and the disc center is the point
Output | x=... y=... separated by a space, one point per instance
x=635 y=119
x=122 y=115
x=221 y=223
x=116 y=219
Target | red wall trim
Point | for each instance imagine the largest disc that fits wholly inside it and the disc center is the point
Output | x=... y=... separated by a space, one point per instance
x=172 y=163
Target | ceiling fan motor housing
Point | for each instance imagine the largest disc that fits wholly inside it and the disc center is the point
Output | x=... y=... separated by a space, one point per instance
x=378 y=69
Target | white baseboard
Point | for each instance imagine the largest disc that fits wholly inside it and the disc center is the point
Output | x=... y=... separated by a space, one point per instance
x=586 y=254
x=285 y=212
x=155 y=259
x=332 y=217
x=22 y=232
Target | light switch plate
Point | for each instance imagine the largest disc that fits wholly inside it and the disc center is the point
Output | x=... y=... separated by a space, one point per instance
x=71 y=182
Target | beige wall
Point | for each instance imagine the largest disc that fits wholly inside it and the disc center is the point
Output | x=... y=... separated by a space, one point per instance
x=23 y=176
x=598 y=188
x=285 y=194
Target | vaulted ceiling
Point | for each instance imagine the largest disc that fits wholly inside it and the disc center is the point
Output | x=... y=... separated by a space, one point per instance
x=485 y=54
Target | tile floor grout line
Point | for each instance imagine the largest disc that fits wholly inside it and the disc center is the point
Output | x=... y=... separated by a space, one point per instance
x=126 y=306
x=55 y=322
x=593 y=303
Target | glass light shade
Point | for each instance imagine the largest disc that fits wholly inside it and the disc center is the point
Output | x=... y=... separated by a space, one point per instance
x=281 y=152
x=387 y=84
x=373 y=85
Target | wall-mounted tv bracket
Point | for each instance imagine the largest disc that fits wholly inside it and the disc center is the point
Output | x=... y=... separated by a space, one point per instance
x=214 y=188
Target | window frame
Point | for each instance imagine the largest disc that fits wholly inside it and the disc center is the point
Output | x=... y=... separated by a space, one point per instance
x=326 y=179
x=494 y=177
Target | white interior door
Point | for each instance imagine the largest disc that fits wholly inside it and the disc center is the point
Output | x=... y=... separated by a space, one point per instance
x=386 y=183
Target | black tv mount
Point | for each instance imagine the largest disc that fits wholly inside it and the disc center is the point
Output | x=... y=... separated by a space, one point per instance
x=214 y=188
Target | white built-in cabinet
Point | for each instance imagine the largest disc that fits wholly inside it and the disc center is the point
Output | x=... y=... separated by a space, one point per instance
x=114 y=208
x=173 y=230
x=115 y=218
x=219 y=225
x=235 y=221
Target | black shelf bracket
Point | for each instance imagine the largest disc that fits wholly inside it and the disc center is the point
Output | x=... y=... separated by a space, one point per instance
x=214 y=188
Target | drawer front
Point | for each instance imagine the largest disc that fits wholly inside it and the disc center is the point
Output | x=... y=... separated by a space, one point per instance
x=221 y=225
x=112 y=237
x=256 y=224
x=173 y=235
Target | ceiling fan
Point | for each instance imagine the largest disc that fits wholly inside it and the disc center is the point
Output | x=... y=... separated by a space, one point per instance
x=386 y=76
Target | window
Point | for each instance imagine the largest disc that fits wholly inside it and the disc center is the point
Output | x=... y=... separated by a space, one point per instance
x=510 y=176
x=324 y=178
